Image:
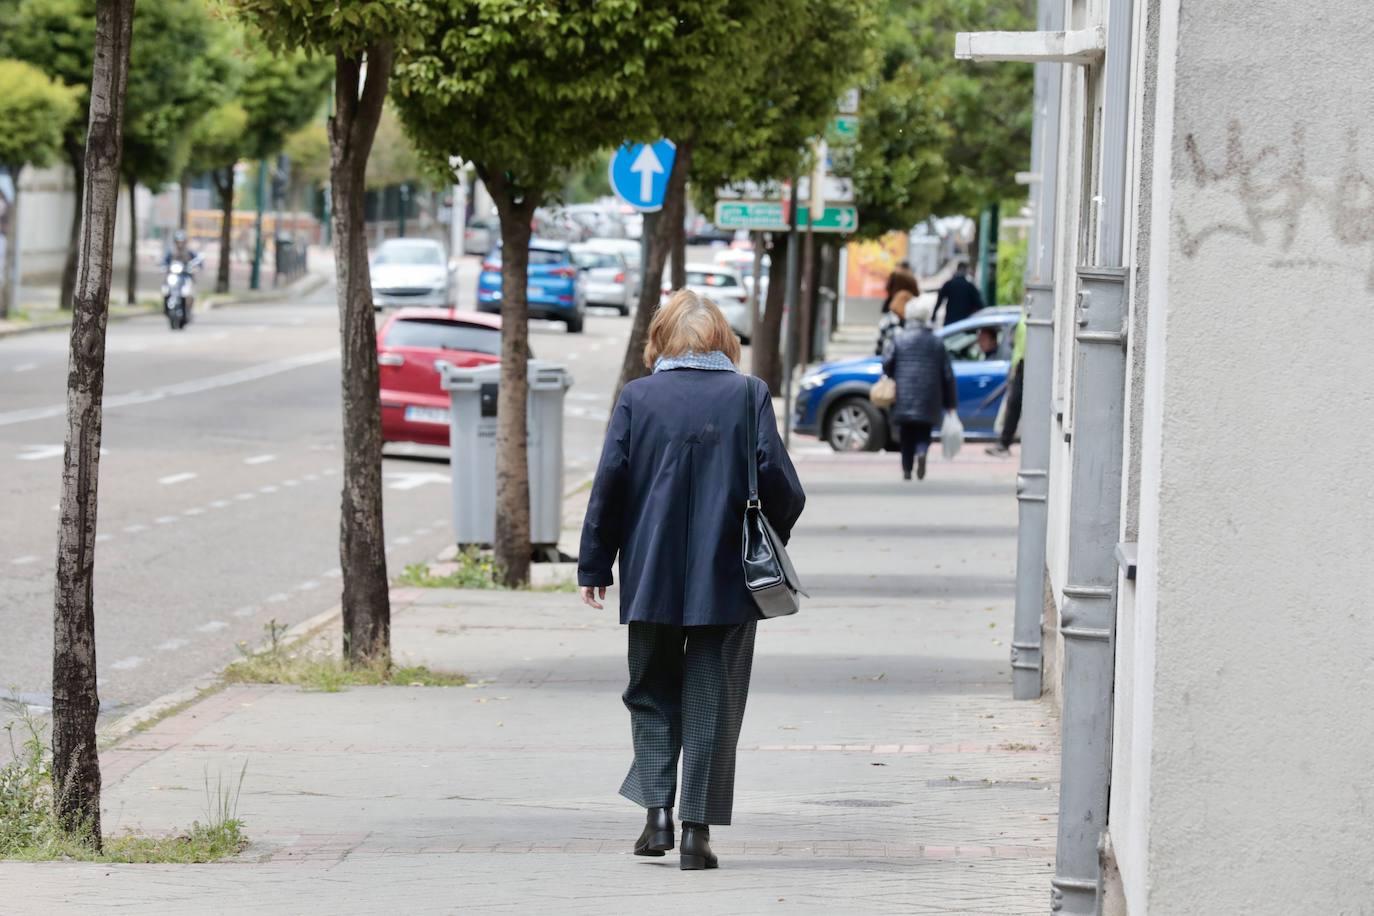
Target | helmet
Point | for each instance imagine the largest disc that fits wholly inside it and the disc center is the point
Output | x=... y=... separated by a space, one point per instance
x=179 y=237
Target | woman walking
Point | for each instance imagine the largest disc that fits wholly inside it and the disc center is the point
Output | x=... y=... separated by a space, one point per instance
x=919 y=363
x=669 y=499
x=901 y=289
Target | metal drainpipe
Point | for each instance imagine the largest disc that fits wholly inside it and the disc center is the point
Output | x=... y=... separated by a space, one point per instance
x=1088 y=614
x=1032 y=482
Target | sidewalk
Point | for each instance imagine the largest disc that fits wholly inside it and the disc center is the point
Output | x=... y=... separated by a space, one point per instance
x=883 y=766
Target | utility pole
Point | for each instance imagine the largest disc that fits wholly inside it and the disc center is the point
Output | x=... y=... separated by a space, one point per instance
x=256 y=281
x=404 y=191
x=788 y=310
x=815 y=209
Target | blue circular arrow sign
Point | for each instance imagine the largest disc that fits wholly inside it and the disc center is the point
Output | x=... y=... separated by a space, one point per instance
x=639 y=173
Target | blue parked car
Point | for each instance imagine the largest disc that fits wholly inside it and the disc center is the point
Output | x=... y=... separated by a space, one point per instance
x=832 y=403
x=554 y=285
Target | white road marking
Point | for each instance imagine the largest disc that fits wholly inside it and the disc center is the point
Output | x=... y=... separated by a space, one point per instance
x=126 y=664
x=328 y=472
x=245 y=496
x=247 y=610
x=293 y=482
x=402 y=541
x=134 y=529
x=260 y=459
x=39 y=452
x=411 y=480
x=334 y=573
x=597 y=414
x=103 y=537
x=180 y=389
x=308 y=585
x=212 y=626
x=166 y=520
x=423 y=529
x=267 y=489
x=177 y=478
x=172 y=645
x=194 y=510
x=311 y=477
x=25 y=367
x=219 y=504
x=278 y=598
x=438 y=522
x=25 y=560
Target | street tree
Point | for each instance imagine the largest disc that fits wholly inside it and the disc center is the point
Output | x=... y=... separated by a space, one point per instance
x=34 y=110
x=937 y=135
x=525 y=91
x=816 y=50
x=76 y=700
x=180 y=67
x=362 y=37
x=55 y=36
x=217 y=142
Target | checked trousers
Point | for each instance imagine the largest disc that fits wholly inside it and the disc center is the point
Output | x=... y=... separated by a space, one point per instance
x=686 y=696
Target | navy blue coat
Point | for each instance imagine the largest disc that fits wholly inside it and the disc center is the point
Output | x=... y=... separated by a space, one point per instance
x=669 y=497
x=919 y=363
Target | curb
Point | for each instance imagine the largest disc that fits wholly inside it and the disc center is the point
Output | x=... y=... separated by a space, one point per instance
x=66 y=325
x=201 y=687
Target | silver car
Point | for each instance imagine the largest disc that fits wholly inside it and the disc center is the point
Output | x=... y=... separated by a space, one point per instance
x=725 y=287
x=605 y=277
x=408 y=272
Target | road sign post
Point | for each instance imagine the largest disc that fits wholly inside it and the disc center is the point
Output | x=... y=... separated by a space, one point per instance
x=639 y=173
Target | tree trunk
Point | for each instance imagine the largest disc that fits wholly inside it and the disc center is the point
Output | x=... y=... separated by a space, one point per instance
x=184 y=202
x=767 y=344
x=9 y=289
x=512 y=545
x=75 y=700
x=651 y=283
x=76 y=158
x=362 y=541
x=133 y=244
x=224 y=184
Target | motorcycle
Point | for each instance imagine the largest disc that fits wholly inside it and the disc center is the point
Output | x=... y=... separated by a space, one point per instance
x=179 y=291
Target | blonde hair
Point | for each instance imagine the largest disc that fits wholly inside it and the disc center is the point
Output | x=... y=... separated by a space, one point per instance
x=689 y=323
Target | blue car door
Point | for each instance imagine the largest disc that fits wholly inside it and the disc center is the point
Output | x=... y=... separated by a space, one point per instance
x=979 y=375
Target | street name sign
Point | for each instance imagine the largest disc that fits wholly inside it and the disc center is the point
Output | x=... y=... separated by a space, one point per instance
x=844 y=127
x=639 y=173
x=753 y=215
x=834 y=219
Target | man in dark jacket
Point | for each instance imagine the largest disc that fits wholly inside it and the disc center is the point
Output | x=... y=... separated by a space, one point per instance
x=959 y=296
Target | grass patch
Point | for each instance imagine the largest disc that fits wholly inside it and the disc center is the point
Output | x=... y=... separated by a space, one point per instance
x=29 y=830
x=473 y=569
x=314 y=668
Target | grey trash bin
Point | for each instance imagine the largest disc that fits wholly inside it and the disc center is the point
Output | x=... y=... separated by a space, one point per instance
x=472 y=437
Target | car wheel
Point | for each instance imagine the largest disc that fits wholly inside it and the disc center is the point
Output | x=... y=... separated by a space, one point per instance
x=574 y=324
x=623 y=309
x=855 y=425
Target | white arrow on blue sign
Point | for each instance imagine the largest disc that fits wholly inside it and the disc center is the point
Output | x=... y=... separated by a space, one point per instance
x=639 y=173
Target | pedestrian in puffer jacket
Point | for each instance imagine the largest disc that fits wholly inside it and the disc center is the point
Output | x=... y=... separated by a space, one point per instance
x=918 y=362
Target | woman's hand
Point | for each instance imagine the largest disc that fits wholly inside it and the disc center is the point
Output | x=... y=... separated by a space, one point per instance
x=590 y=594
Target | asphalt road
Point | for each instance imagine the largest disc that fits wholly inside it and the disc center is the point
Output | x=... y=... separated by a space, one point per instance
x=219 y=488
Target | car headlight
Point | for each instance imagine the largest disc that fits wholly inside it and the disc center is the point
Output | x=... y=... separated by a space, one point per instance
x=814 y=380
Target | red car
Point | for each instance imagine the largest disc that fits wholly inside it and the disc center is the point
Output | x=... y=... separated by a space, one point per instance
x=415 y=408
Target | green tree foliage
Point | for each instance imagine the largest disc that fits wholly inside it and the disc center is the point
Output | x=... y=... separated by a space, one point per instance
x=35 y=110
x=308 y=150
x=281 y=91
x=937 y=135
x=589 y=181
x=394 y=158
x=526 y=90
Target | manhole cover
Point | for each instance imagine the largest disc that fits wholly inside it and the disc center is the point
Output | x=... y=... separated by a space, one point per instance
x=855 y=803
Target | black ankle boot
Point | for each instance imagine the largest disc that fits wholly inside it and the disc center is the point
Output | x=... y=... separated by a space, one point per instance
x=657 y=837
x=696 y=847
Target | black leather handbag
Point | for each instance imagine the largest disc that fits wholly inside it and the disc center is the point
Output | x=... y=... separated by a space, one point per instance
x=768 y=571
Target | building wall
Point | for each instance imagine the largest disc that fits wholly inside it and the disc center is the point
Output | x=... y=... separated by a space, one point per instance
x=1251 y=620
x=46 y=207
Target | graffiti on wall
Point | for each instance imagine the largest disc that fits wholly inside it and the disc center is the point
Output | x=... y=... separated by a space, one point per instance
x=1278 y=198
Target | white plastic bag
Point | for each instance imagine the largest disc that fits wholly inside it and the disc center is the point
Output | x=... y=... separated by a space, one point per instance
x=951 y=435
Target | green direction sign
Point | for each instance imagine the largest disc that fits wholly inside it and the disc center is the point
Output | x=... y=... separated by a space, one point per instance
x=834 y=219
x=753 y=215
x=844 y=127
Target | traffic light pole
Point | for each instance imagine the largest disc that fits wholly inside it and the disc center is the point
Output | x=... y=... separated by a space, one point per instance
x=256 y=281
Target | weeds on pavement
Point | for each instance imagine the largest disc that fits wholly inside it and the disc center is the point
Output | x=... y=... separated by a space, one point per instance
x=315 y=668
x=29 y=829
x=473 y=570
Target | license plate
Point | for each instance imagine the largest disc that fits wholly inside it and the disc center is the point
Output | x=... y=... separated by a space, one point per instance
x=427 y=415
x=534 y=292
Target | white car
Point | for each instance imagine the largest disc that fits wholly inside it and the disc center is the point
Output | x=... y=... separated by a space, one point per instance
x=411 y=272
x=725 y=287
x=742 y=259
x=628 y=250
x=605 y=277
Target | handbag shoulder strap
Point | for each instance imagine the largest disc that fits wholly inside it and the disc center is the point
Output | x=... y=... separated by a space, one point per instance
x=751 y=442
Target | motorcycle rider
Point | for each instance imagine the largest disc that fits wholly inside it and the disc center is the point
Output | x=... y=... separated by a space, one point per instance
x=181 y=251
